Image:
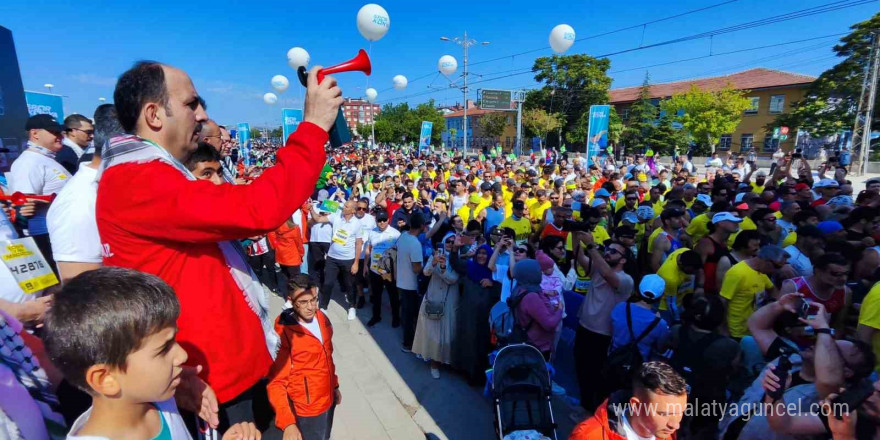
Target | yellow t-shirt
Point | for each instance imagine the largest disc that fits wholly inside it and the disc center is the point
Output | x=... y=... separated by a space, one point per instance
x=746 y=225
x=678 y=283
x=653 y=237
x=600 y=234
x=699 y=227
x=757 y=189
x=869 y=315
x=522 y=228
x=741 y=286
x=433 y=174
x=537 y=211
x=789 y=239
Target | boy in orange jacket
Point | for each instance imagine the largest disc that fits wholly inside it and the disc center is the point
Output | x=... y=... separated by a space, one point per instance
x=303 y=388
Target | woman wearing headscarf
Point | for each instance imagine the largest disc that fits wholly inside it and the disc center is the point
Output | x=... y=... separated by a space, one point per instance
x=537 y=312
x=479 y=293
x=435 y=330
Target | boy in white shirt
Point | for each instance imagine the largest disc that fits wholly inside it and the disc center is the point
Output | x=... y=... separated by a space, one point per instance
x=111 y=331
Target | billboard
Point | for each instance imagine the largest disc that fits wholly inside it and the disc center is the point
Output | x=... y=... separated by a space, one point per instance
x=244 y=142
x=39 y=103
x=425 y=135
x=495 y=100
x=290 y=119
x=13 y=107
x=597 y=130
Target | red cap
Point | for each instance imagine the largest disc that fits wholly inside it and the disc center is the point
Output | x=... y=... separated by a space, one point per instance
x=775 y=206
x=801 y=186
x=743 y=206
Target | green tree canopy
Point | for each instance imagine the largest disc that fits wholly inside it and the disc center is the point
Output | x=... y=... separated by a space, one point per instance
x=540 y=123
x=398 y=121
x=572 y=83
x=832 y=99
x=493 y=123
x=706 y=115
x=641 y=120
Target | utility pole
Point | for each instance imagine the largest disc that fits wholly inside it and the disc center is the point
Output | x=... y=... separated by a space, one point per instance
x=861 y=137
x=519 y=96
x=465 y=43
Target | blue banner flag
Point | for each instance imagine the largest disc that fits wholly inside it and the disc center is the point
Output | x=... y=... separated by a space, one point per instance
x=45 y=103
x=244 y=142
x=425 y=136
x=290 y=119
x=597 y=130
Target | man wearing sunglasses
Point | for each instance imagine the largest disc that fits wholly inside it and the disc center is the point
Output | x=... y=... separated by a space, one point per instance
x=78 y=134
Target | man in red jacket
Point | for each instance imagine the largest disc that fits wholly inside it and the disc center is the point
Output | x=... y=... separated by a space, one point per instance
x=652 y=409
x=154 y=216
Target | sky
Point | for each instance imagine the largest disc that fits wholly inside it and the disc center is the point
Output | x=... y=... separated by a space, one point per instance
x=231 y=49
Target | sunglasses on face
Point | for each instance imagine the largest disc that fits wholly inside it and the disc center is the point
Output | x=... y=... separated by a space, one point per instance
x=519 y=250
x=359 y=208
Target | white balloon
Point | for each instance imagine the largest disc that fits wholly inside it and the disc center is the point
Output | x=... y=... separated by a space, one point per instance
x=280 y=83
x=373 y=22
x=297 y=57
x=270 y=98
x=371 y=94
x=447 y=64
x=399 y=82
x=561 y=38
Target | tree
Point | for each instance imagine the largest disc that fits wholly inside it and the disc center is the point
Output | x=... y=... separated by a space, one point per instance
x=493 y=123
x=642 y=119
x=277 y=132
x=831 y=100
x=707 y=115
x=363 y=130
x=615 y=127
x=572 y=83
x=665 y=139
x=398 y=121
x=255 y=133
x=540 y=123
x=385 y=132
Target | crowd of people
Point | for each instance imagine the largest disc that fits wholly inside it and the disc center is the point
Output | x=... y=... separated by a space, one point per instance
x=740 y=287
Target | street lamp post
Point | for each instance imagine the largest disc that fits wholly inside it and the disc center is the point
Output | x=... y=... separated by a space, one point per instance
x=49 y=87
x=465 y=43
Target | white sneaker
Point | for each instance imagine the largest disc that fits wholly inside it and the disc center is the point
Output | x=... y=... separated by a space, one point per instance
x=435 y=372
x=352 y=314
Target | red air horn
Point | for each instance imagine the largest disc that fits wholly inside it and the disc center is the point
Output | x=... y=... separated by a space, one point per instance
x=18 y=198
x=339 y=134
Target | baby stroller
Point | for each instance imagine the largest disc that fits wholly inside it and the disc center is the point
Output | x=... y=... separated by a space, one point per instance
x=521 y=391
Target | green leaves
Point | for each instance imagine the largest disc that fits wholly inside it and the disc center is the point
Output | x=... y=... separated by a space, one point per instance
x=398 y=121
x=493 y=123
x=707 y=115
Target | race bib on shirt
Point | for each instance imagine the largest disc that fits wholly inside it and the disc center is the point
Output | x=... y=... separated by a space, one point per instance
x=340 y=236
x=23 y=259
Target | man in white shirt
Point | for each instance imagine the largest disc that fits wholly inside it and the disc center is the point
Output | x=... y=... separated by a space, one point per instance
x=368 y=222
x=36 y=172
x=78 y=134
x=408 y=267
x=379 y=240
x=343 y=257
x=71 y=218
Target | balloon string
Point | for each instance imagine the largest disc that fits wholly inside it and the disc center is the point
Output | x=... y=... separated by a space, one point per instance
x=370 y=54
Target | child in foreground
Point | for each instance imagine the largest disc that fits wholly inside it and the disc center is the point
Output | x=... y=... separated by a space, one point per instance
x=111 y=331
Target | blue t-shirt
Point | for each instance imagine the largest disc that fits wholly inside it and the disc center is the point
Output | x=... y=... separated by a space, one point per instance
x=641 y=319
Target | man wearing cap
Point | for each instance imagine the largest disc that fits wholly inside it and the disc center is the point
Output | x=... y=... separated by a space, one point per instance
x=827 y=188
x=804 y=196
x=472 y=210
x=765 y=220
x=714 y=246
x=745 y=285
x=697 y=228
x=666 y=239
x=518 y=222
x=759 y=183
x=631 y=201
x=379 y=240
x=36 y=172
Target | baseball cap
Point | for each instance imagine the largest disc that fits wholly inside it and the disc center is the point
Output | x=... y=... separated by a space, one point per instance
x=519 y=204
x=830 y=226
x=381 y=216
x=625 y=231
x=652 y=287
x=645 y=213
x=598 y=202
x=511 y=181
x=742 y=206
x=43 y=122
x=841 y=200
x=485 y=186
x=725 y=217
x=630 y=217
x=602 y=192
x=739 y=197
x=475 y=198
x=826 y=183
x=670 y=213
x=705 y=199
x=689 y=186
x=801 y=187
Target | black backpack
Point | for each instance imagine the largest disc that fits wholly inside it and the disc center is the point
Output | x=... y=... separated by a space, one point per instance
x=623 y=361
x=689 y=360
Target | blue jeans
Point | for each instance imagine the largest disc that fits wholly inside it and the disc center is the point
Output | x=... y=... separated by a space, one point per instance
x=316 y=427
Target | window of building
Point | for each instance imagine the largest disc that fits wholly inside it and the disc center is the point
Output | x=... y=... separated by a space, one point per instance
x=625 y=115
x=724 y=142
x=507 y=144
x=754 y=103
x=745 y=142
x=770 y=144
x=777 y=103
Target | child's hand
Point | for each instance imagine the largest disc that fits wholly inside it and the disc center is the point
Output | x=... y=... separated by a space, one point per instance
x=242 y=431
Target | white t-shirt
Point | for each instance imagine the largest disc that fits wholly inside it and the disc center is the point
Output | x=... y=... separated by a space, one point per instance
x=409 y=251
x=36 y=173
x=458 y=202
x=381 y=242
x=314 y=327
x=71 y=219
x=798 y=261
x=168 y=410
x=345 y=233
x=368 y=222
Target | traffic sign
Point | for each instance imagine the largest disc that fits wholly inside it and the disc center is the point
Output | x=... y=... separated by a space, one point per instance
x=496 y=100
x=776 y=133
x=783 y=130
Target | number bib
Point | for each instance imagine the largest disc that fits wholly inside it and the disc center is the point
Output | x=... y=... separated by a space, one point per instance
x=27 y=265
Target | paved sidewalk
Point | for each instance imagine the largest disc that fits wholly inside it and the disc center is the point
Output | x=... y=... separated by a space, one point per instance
x=389 y=394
